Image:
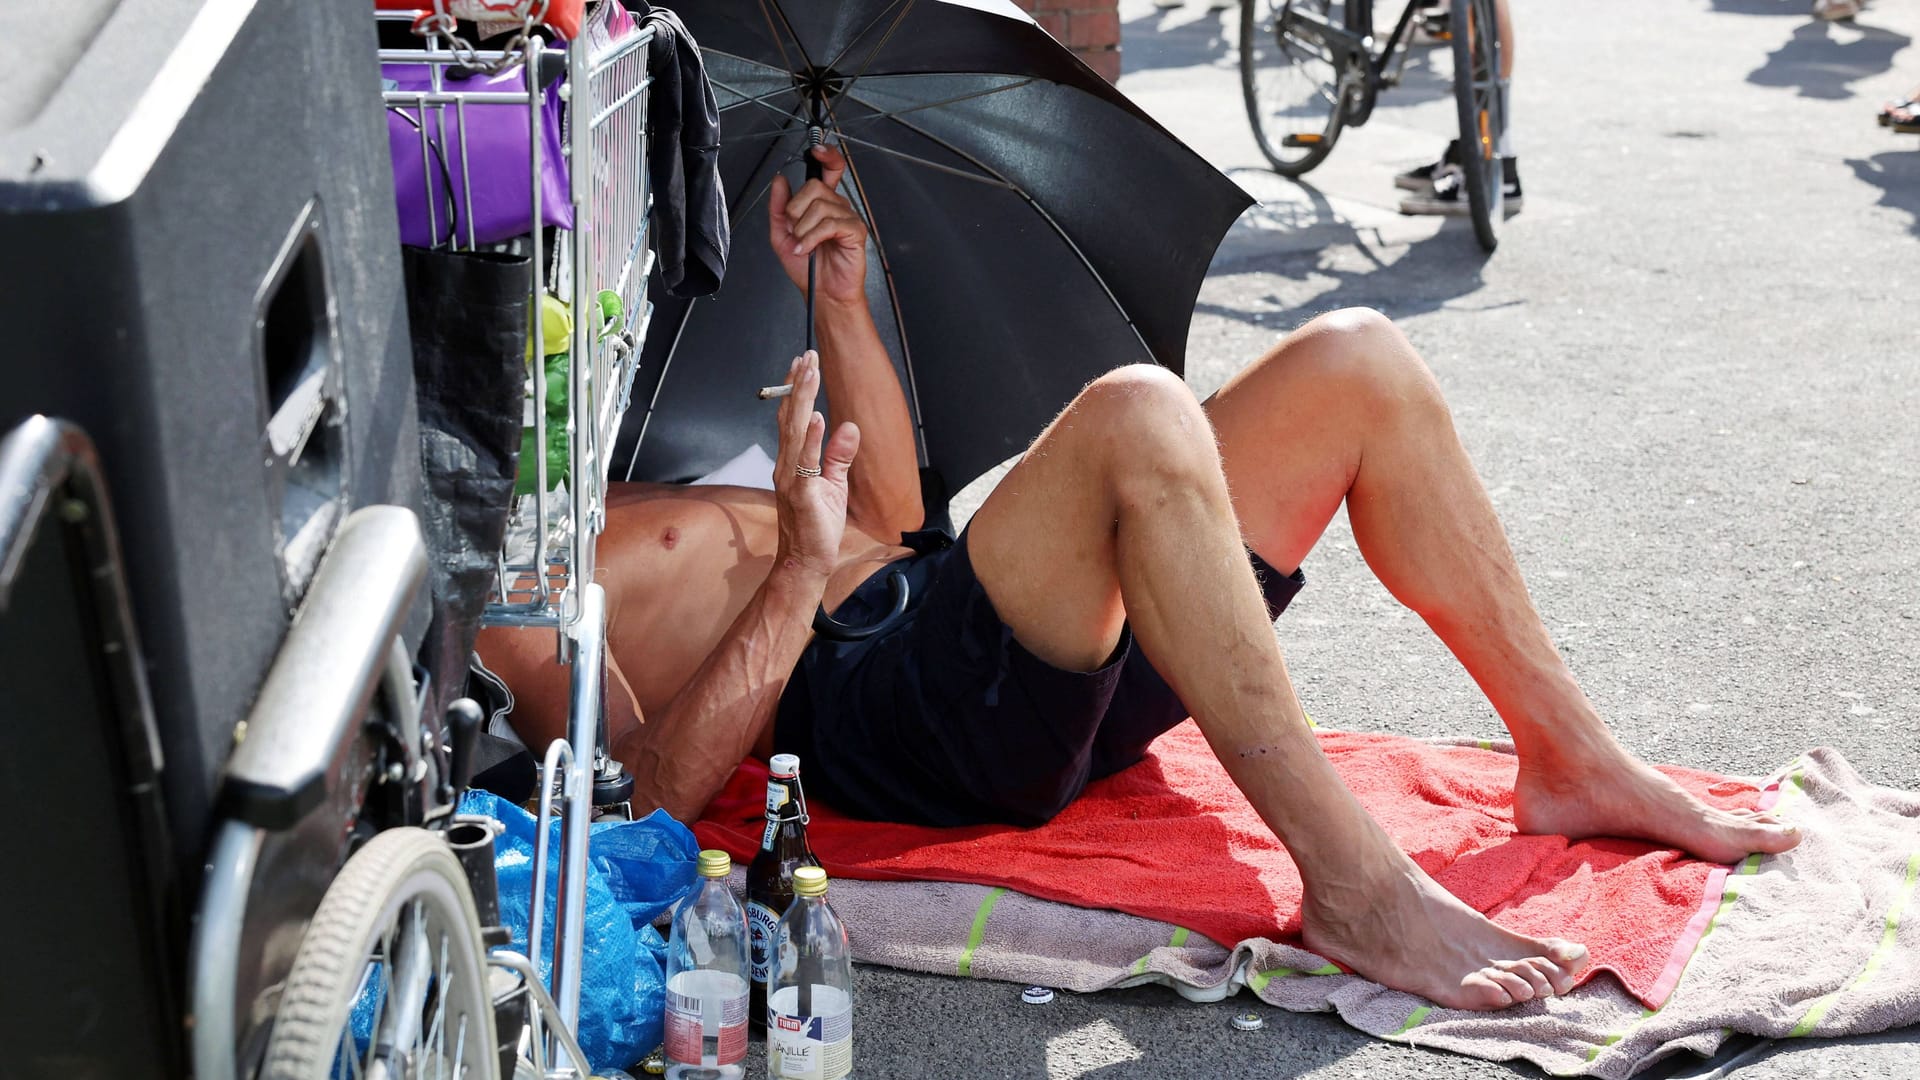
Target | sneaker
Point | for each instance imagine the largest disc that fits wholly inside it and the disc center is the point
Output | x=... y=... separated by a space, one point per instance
x=1434 y=27
x=1449 y=196
x=1422 y=178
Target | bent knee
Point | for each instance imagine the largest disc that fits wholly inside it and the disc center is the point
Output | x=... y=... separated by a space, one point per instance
x=1140 y=401
x=1144 y=409
x=1361 y=353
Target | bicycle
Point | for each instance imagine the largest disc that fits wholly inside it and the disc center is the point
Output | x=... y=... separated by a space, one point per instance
x=1309 y=69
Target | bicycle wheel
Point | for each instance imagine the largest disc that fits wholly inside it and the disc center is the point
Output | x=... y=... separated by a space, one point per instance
x=390 y=980
x=1476 y=89
x=1291 y=81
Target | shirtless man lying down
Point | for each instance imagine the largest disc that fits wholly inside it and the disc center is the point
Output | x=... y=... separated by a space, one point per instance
x=1124 y=574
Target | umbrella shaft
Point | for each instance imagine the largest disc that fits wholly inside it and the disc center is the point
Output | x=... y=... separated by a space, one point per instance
x=816 y=136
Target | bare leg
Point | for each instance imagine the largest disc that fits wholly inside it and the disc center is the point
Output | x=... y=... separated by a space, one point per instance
x=1344 y=409
x=1119 y=513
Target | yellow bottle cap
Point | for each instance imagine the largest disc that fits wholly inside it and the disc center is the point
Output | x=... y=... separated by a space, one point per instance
x=715 y=863
x=809 y=881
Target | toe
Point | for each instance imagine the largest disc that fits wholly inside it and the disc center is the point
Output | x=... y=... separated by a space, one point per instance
x=1571 y=956
x=1530 y=969
x=1559 y=979
x=1480 y=991
x=1771 y=838
x=1517 y=988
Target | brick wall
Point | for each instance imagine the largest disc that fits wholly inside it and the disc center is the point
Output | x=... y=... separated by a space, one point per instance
x=1091 y=28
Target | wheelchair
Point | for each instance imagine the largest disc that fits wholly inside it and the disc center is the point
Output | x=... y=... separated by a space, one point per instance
x=232 y=843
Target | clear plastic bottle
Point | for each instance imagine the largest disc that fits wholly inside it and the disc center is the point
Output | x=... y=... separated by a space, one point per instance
x=810 y=996
x=707 y=979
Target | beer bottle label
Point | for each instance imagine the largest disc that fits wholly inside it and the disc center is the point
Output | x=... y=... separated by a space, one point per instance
x=762 y=922
x=777 y=796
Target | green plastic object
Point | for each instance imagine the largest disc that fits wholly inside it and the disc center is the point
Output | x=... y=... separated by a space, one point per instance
x=557 y=462
x=613 y=313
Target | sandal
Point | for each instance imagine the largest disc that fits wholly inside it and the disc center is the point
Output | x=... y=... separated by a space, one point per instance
x=1836 y=10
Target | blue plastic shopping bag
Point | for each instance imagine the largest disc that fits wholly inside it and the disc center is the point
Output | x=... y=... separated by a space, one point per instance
x=636 y=872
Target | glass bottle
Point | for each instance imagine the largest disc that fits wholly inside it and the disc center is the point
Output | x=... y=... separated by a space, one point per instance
x=783 y=848
x=810 y=997
x=707 y=979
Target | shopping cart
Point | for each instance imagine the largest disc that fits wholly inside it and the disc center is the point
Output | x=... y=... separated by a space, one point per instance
x=413 y=960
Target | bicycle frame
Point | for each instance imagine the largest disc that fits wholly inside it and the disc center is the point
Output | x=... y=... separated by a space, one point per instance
x=1351 y=47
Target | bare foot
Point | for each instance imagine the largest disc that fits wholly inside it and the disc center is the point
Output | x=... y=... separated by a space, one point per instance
x=1622 y=797
x=1398 y=927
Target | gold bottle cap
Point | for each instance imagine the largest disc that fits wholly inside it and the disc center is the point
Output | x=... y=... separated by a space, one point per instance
x=809 y=881
x=715 y=863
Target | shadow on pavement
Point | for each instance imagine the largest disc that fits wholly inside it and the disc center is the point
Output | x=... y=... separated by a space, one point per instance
x=1214 y=38
x=1819 y=65
x=1897 y=174
x=1428 y=77
x=1312 y=240
x=1797 y=8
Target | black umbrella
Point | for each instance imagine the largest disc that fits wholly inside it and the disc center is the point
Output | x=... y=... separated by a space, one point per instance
x=1032 y=227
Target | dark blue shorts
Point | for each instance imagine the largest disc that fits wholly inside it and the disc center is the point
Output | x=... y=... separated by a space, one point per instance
x=945 y=719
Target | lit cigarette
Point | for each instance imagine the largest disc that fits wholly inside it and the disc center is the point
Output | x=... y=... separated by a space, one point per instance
x=768 y=393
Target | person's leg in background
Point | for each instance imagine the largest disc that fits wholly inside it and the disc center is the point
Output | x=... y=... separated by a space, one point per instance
x=1436 y=188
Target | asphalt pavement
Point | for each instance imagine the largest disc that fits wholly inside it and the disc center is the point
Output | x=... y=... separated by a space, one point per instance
x=1690 y=378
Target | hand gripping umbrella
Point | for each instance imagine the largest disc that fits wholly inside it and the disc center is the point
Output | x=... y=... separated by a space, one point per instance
x=1031 y=228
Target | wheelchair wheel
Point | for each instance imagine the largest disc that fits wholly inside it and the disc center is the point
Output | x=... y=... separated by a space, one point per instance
x=1476 y=90
x=1291 y=79
x=391 y=978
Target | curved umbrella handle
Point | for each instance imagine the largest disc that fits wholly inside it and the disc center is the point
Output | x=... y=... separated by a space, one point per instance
x=834 y=630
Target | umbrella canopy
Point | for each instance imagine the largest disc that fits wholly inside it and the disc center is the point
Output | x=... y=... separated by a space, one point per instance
x=1031 y=227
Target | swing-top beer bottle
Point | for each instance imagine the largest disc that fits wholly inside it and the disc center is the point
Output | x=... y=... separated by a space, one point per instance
x=783 y=848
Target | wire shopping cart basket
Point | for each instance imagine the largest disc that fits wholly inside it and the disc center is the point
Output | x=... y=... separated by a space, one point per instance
x=597 y=263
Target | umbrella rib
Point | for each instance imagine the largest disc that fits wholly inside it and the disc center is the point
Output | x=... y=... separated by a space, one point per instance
x=1044 y=216
x=855 y=39
x=686 y=316
x=847 y=87
x=881 y=114
x=759 y=100
x=893 y=300
x=767 y=11
x=990 y=181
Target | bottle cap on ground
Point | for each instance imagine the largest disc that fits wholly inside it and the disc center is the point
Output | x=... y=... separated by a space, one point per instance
x=1036 y=995
x=1249 y=1021
x=715 y=863
x=809 y=881
x=784 y=766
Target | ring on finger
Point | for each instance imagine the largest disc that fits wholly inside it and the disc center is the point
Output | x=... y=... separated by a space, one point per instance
x=803 y=470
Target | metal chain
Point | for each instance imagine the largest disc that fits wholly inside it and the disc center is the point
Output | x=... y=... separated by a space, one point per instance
x=446 y=29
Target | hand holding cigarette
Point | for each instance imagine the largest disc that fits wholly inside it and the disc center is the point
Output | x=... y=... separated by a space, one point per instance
x=768 y=393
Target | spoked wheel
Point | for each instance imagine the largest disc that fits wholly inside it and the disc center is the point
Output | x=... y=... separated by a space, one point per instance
x=1476 y=89
x=1290 y=77
x=390 y=981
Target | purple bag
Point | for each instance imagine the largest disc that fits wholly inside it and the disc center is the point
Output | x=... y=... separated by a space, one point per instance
x=496 y=158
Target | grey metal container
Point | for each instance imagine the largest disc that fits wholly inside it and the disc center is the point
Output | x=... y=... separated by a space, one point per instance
x=199 y=266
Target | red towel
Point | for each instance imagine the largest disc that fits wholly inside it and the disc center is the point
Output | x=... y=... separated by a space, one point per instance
x=1173 y=839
